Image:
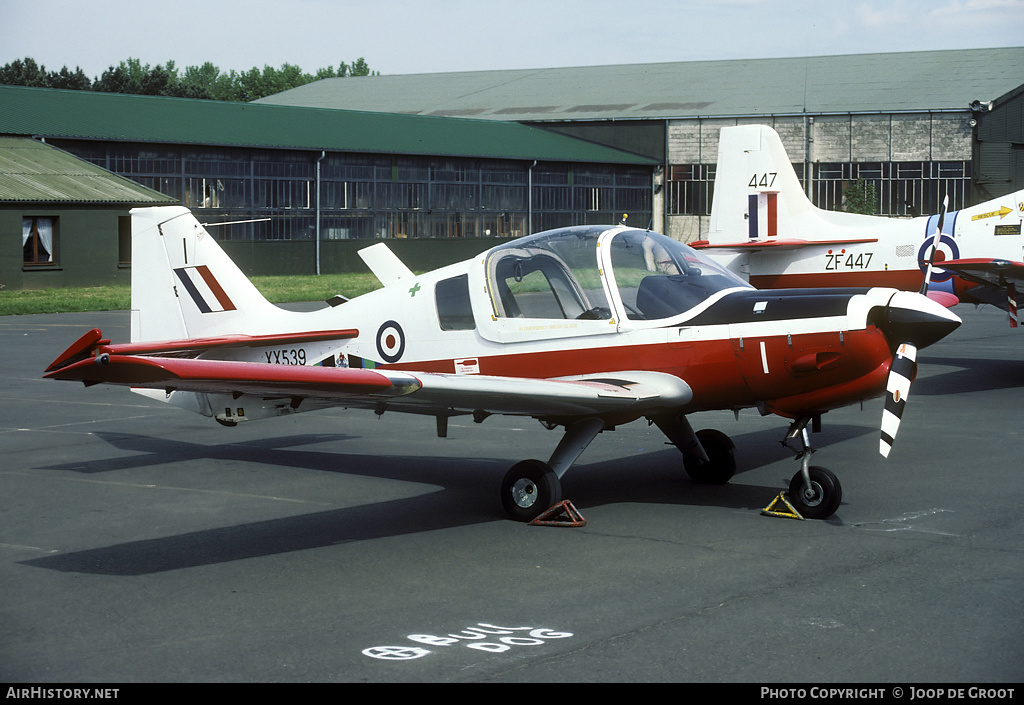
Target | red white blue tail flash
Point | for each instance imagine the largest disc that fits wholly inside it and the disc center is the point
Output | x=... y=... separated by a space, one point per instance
x=904 y=367
x=204 y=289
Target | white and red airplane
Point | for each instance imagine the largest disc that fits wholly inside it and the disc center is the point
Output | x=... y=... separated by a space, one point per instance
x=585 y=328
x=764 y=228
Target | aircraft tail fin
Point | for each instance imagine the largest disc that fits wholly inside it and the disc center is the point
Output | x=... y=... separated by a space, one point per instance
x=185 y=286
x=757 y=192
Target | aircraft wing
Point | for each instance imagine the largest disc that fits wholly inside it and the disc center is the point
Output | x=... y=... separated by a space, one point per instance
x=776 y=243
x=417 y=392
x=995 y=272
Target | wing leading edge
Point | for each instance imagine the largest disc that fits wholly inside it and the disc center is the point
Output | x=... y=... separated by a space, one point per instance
x=996 y=272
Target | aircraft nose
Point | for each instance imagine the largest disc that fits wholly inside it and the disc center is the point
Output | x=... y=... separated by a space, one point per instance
x=916 y=319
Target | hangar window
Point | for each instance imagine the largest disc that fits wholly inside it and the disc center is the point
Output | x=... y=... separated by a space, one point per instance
x=215 y=193
x=690 y=188
x=124 y=240
x=902 y=188
x=39 y=241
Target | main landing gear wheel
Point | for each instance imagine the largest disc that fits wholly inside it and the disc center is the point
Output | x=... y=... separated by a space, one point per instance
x=822 y=499
x=529 y=489
x=721 y=465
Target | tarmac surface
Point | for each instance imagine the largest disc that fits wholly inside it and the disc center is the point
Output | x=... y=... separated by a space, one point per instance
x=140 y=543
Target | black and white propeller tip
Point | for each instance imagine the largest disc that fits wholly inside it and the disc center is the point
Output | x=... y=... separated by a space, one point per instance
x=913 y=321
x=901 y=375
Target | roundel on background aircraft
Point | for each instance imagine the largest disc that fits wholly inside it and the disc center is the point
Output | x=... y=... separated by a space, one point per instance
x=947 y=248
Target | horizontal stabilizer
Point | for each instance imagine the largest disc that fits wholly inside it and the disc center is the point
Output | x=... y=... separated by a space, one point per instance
x=777 y=244
x=81 y=349
x=197 y=345
x=93 y=342
x=233 y=377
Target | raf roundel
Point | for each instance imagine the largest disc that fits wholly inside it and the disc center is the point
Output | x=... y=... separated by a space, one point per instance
x=947 y=250
x=390 y=341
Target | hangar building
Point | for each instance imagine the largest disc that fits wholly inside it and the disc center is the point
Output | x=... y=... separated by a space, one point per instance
x=445 y=165
x=295 y=190
x=914 y=124
x=64 y=221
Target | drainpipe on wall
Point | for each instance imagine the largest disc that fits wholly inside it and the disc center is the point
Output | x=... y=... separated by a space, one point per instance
x=529 y=198
x=319 y=159
x=808 y=167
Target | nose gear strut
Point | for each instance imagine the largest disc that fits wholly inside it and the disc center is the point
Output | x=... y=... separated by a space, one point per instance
x=814 y=491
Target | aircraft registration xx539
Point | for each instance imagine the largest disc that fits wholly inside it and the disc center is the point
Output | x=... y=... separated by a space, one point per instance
x=585 y=328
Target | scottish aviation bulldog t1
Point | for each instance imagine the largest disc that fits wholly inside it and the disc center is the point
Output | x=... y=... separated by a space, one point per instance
x=583 y=328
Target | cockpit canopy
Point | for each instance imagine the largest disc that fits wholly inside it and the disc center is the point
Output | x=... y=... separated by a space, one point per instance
x=590 y=272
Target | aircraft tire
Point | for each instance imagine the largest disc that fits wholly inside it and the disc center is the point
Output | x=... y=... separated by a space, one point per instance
x=825 y=497
x=529 y=489
x=722 y=452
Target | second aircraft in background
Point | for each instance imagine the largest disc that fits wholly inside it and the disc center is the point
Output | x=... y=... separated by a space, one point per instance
x=764 y=228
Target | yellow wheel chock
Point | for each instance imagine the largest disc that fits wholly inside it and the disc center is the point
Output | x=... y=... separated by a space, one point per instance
x=772 y=511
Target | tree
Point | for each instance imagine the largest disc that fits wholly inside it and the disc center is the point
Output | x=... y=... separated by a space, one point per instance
x=860 y=197
x=201 y=82
x=28 y=73
x=126 y=77
x=67 y=80
x=360 y=68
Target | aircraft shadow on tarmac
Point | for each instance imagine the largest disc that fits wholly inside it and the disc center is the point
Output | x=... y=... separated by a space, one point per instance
x=467 y=496
x=965 y=375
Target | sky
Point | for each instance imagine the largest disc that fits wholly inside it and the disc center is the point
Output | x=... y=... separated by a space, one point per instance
x=436 y=36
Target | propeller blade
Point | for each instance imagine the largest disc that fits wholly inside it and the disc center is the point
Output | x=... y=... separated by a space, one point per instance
x=902 y=372
x=935 y=246
x=1011 y=304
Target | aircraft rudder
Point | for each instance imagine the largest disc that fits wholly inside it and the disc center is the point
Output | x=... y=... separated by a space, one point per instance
x=756 y=186
x=183 y=284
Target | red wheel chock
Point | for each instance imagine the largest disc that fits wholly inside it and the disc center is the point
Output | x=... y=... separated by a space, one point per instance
x=562 y=514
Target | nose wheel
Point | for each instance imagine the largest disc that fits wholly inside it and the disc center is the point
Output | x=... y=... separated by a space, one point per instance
x=814 y=491
x=818 y=496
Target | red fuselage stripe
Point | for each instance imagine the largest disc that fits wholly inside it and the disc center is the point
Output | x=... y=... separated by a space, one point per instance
x=721 y=373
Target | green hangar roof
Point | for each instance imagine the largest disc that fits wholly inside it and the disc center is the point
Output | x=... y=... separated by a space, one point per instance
x=887 y=82
x=33 y=172
x=131 y=118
